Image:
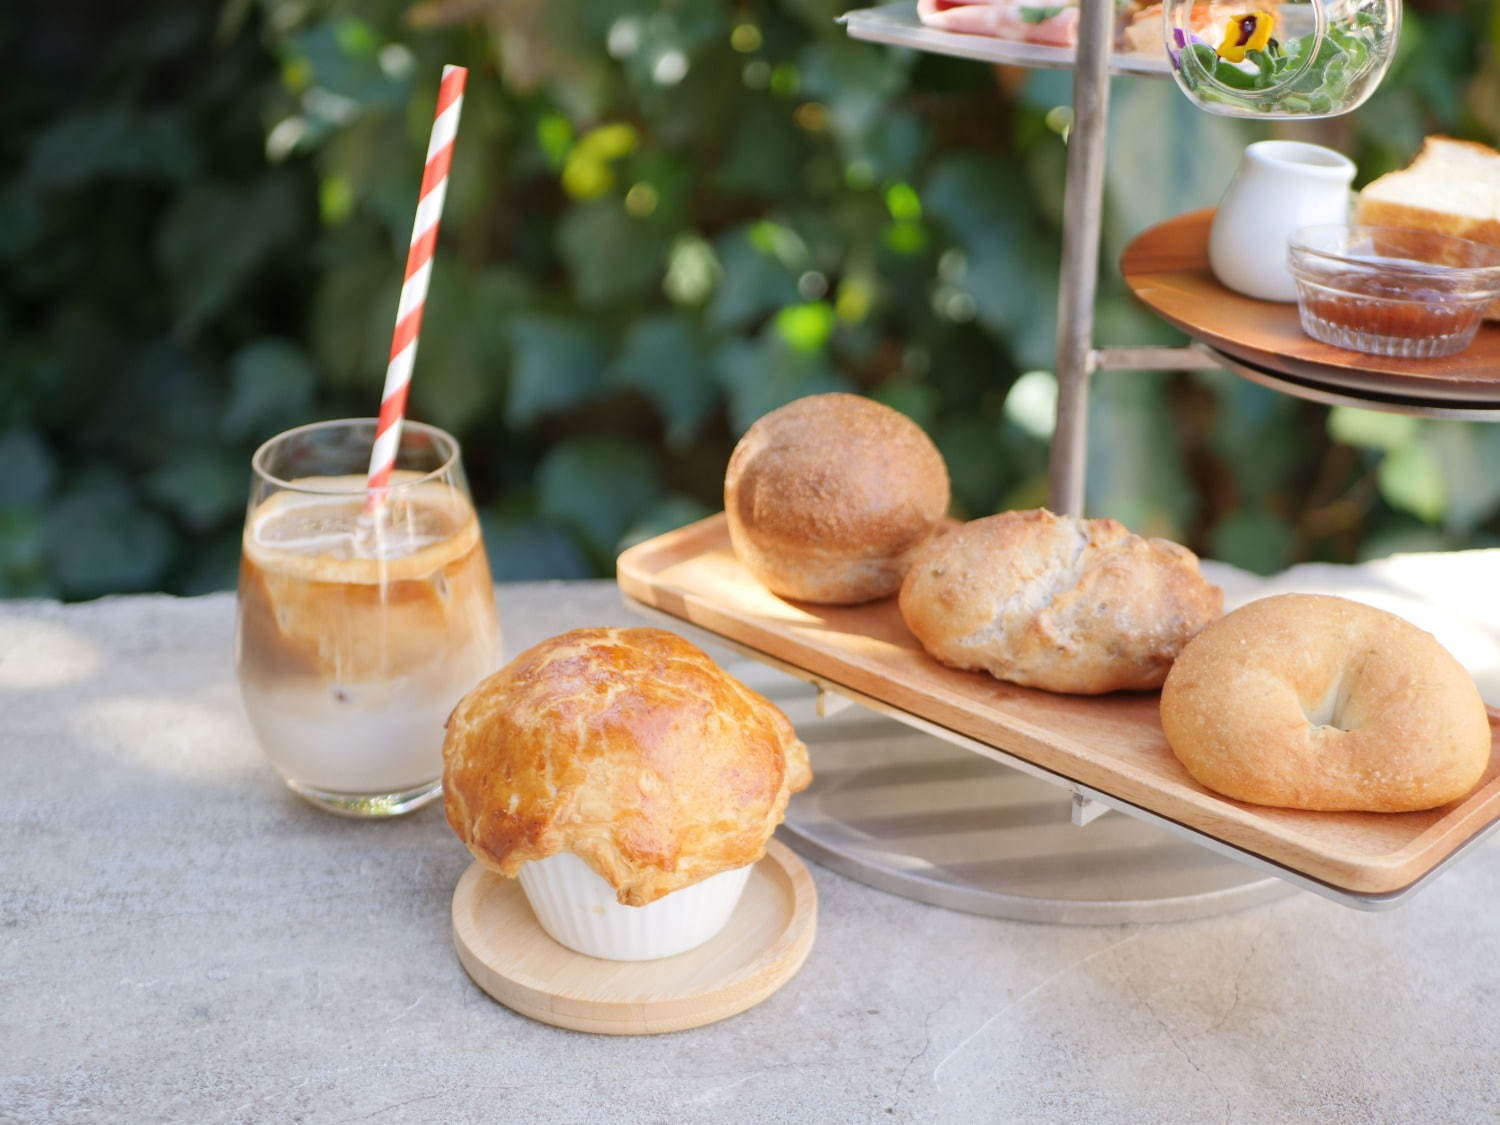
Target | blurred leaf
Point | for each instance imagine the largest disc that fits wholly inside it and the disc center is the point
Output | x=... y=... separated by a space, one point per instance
x=1165 y=155
x=555 y=363
x=525 y=549
x=272 y=389
x=111 y=142
x=855 y=82
x=974 y=447
x=343 y=58
x=610 y=255
x=598 y=487
x=1031 y=404
x=1404 y=536
x=806 y=327
x=1468 y=455
x=978 y=197
x=895 y=148
x=1255 y=540
x=693 y=270
x=760 y=377
x=354 y=309
x=23 y=571
x=1033 y=491
x=1135 y=471
x=755 y=281
x=1011 y=265
x=27 y=468
x=1254 y=432
x=214 y=235
x=1372 y=429
x=359 y=155
x=917 y=401
x=213 y=566
x=161 y=401
x=765 y=151
x=663 y=359
x=202 y=486
x=465 y=351
x=667 y=514
x=1411 y=478
x=100 y=541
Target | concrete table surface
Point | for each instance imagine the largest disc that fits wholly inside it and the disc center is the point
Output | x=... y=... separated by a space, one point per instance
x=186 y=940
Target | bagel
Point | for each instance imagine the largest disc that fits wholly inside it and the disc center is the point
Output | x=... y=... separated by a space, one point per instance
x=1305 y=701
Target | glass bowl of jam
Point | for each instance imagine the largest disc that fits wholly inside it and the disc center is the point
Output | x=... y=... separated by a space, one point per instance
x=1394 y=292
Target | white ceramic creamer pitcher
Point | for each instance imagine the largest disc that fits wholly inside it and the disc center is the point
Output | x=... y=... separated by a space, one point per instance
x=1280 y=187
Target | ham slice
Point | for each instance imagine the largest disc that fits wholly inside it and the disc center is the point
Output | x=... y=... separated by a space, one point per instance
x=1001 y=19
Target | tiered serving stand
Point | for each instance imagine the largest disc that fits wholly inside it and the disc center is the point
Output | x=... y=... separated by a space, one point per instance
x=904 y=798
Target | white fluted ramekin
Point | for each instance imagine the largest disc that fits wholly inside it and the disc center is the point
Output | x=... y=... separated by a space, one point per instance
x=579 y=910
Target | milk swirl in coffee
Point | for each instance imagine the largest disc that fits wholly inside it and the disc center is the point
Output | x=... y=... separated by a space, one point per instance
x=358 y=634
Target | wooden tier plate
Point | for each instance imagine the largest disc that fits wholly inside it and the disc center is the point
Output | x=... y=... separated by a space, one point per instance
x=504 y=949
x=1167 y=268
x=1113 y=744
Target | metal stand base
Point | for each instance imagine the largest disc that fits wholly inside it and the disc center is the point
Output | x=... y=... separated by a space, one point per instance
x=908 y=813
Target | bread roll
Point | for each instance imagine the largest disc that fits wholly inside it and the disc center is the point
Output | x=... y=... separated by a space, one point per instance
x=629 y=748
x=829 y=496
x=1069 y=605
x=1313 y=702
x=1452 y=188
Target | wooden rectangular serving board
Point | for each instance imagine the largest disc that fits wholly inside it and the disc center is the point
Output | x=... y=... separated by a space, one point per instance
x=1112 y=743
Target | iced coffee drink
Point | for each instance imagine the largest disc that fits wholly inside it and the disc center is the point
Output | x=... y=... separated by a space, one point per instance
x=360 y=628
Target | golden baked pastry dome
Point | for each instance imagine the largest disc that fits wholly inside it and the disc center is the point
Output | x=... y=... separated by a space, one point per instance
x=629 y=748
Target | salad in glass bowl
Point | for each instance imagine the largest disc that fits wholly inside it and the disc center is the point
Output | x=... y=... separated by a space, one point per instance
x=1293 y=58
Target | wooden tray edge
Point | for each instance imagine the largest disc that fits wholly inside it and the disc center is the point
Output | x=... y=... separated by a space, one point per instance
x=1224 y=820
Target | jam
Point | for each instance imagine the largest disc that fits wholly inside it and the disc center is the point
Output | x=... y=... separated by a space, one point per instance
x=1390 y=304
x=1390 y=291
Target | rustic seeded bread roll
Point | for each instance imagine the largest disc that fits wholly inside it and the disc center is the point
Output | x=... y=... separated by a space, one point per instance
x=1452 y=188
x=1069 y=605
x=629 y=748
x=828 y=498
x=1306 y=701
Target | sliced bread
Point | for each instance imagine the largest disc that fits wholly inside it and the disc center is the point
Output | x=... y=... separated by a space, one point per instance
x=1453 y=187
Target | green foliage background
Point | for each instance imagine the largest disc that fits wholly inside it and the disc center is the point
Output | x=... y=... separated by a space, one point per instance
x=665 y=219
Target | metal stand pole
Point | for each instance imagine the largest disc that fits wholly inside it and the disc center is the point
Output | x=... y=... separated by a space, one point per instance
x=1083 y=207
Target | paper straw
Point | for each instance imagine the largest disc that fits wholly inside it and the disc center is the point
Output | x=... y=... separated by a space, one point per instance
x=424 y=233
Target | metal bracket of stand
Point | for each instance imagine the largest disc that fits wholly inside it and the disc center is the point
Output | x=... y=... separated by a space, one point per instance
x=1191 y=358
x=830 y=703
x=1086 y=810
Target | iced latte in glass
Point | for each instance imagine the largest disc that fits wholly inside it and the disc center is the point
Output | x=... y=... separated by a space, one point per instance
x=360 y=627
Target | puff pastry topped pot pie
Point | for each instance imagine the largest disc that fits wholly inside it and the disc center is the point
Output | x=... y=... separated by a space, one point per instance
x=630 y=749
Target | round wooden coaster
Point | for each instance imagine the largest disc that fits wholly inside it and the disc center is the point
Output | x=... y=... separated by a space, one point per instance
x=510 y=956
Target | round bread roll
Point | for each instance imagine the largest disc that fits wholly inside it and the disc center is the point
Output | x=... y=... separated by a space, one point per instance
x=1069 y=605
x=629 y=748
x=1313 y=702
x=829 y=496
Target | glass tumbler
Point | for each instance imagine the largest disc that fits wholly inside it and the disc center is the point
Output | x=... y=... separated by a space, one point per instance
x=360 y=625
x=1280 y=58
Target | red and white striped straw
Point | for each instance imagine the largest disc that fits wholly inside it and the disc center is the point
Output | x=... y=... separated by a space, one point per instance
x=424 y=233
